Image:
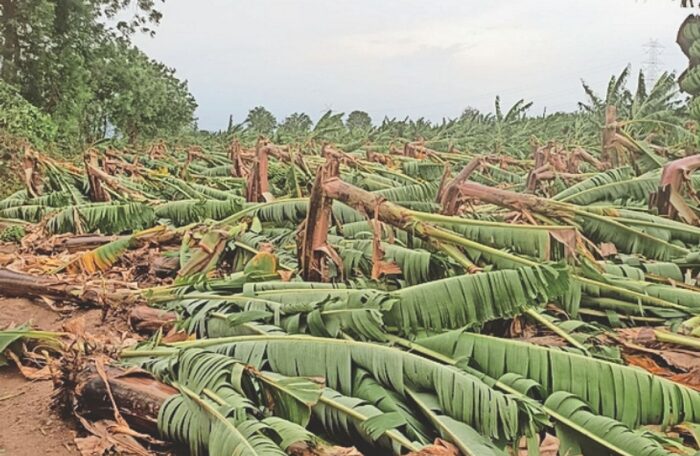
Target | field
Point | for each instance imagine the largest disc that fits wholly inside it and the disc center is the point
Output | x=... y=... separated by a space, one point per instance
x=488 y=285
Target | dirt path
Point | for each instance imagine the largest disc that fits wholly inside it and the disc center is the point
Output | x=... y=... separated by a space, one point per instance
x=28 y=427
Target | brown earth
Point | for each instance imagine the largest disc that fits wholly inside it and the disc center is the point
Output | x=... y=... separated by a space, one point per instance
x=28 y=427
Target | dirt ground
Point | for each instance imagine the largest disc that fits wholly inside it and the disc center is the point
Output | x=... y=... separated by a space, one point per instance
x=28 y=426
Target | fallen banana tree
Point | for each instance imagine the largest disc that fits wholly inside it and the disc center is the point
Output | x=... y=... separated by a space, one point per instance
x=16 y=284
x=398 y=297
x=178 y=406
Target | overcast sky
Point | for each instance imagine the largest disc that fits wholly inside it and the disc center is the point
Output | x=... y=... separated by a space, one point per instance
x=395 y=58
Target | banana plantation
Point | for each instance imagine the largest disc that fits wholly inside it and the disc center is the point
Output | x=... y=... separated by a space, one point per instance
x=489 y=285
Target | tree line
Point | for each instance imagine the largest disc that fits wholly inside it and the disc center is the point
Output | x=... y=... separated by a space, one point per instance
x=262 y=122
x=70 y=73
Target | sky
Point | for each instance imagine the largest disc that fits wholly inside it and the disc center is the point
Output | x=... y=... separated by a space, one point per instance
x=397 y=58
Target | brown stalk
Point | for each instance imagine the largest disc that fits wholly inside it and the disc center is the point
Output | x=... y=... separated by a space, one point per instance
x=668 y=199
x=448 y=197
x=315 y=249
x=380 y=267
x=610 y=151
x=257 y=185
x=96 y=192
x=31 y=176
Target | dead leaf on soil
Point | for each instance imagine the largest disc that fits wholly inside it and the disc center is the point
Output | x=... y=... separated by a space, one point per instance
x=438 y=448
x=28 y=372
x=104 y=441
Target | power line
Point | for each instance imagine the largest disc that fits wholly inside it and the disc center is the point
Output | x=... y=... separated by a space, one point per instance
x=653 y=50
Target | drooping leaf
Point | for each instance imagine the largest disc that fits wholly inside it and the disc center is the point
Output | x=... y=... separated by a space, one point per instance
x=588 y=434
x=630 y=395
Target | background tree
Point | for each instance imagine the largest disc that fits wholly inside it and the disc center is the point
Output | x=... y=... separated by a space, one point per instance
x=261 y=121
x=20 y=118
x=358 y=121
x=329 y=127
x=62 y=54
x=294 y=127
x=138 y=96
x=470 y=113
x=660 y=102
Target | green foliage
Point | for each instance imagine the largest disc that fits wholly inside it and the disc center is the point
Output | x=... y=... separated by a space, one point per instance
x=627 y=394
x=329 y=127
x=595 y=435
x=295 y=126
x=218 y=411
x=474 y=299
x=260 y=121
x=516 y=112
x=460 y=395
x=72 y=60
x=12 y=233
x=19 y=118
x=358 y=121
x=612 y=185
x=616 y=94
x=138 y=96
x=105 y=218
x=12 y=338
x=461 y=435
x=184 y=212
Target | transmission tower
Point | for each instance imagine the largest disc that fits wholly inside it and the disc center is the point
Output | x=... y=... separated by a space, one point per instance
x=653 y=50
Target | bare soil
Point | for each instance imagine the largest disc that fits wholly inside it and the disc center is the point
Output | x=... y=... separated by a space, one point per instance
x=28 y=426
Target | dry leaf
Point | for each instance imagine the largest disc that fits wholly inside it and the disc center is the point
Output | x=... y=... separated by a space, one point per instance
x=104 y=441
x=76 y=326
x=607 y=249
x=28 y=372
x=285 y=276
x=438 y=448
